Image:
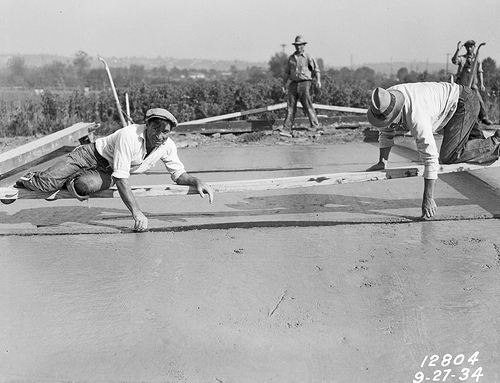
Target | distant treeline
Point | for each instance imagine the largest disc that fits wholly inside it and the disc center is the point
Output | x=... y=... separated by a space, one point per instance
x=42 y=100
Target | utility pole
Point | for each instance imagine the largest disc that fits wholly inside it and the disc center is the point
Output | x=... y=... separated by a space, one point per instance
x=283 y=47
x=447 y=60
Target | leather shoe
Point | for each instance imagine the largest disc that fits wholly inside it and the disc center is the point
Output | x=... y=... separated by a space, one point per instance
x=496 y=136
x=25 y=179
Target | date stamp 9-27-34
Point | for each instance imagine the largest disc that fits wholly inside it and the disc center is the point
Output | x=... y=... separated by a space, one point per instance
x=449 y=368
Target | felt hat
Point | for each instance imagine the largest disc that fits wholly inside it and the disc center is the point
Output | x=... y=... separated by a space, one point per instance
x=385 y=107
x=162 y=114
x=299 y=40
x=469 y=42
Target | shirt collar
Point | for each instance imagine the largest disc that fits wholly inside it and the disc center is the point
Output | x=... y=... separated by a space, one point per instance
x=142 y=131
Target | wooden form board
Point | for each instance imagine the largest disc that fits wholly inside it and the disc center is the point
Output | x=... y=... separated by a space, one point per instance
x=26 y=153
x=255 y=185
x=248 y=126
x=282 y=105
x=234 y=115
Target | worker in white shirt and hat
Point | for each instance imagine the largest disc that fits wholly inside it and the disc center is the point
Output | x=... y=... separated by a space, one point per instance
x=426 y=108
x=110 y=160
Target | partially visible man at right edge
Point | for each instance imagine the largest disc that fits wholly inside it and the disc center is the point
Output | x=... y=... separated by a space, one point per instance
x=301 y=69
x=464 y=72
x=423 y=109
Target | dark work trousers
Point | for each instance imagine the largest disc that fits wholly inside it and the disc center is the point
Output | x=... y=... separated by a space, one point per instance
x=90 y=171
x=463 y=141
x=482 y=110
x=300 y=91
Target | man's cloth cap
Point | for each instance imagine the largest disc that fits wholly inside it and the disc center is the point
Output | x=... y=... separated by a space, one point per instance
x=299 y=40
x=161 y=114
x=385 y=107
x=469 y=42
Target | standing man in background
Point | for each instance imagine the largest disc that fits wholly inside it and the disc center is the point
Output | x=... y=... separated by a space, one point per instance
x=464 y=73
x=301 y=70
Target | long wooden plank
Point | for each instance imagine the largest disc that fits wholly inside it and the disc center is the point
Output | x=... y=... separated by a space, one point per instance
x=223 y=127
x=338 y=108
x=282 y=105
x=235 y=114
x=228 y=186
x=255 y=185
x=26 y=153
x=245 y=126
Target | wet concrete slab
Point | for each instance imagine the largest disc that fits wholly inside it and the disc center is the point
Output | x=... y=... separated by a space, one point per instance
x=338 y=283
x=347 y=303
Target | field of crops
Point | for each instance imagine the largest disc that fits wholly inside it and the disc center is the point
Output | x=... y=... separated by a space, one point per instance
x=40 y=112
x=36 y=112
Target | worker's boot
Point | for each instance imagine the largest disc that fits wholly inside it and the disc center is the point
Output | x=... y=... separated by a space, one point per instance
x=24 y=182
x=496 y=136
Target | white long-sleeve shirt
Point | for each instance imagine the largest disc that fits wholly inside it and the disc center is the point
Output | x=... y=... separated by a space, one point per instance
x=428 y=106
x=126 y=151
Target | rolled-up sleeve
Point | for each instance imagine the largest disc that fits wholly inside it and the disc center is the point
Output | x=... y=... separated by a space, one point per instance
x=313 y=64
x=288 y=68
x=172 y=162
x=427 y=148
x=122 y=156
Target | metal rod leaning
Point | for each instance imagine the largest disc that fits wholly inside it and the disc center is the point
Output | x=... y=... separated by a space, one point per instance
x=120 y=112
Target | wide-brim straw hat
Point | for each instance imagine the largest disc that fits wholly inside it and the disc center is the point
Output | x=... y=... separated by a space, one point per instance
x=385 y=107
x=299 y=40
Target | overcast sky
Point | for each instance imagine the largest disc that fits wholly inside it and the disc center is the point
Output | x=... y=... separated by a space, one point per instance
x=340 y=32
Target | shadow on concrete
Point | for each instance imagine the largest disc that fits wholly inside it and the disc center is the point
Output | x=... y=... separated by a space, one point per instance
x=477 y=191
x=307 y=204
x=370 y=210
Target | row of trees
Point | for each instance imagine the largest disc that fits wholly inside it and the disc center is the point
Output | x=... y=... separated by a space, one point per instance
x=79 y=74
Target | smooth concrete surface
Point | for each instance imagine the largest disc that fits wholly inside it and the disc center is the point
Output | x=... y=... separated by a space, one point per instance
x=337 y=283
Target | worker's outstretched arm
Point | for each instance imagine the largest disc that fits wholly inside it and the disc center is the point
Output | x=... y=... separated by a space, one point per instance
x=429 y=207
x=202 y=187
x=128 y=198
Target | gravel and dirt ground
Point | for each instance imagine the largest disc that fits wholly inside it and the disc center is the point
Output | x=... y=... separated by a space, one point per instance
x=329 y=135
x=341 y=283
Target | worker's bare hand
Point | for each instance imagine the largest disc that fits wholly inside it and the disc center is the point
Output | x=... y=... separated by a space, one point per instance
x=141 y=222
x=429 y=208
x=318 y=85
x=378 y=166
x=202 y=187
